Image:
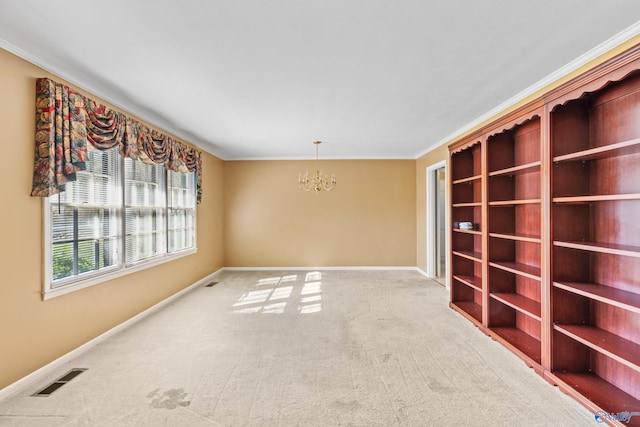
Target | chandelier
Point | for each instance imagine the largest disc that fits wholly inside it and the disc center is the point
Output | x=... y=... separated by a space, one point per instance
x=319 y=181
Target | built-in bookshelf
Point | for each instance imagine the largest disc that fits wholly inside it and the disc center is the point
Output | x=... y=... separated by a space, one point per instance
x=551 y=268
x=514 y=222
x=466 y=236
x=595 y=150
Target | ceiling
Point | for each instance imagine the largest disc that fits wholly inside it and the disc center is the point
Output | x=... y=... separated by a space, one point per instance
x=252 y=79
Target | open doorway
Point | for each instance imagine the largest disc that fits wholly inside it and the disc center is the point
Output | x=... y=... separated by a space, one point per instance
x=437 y=222
x=440 y=228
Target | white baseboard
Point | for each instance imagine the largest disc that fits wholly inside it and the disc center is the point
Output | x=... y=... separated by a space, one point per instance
x=330 y=268
x=424 y=273
x=35 y=376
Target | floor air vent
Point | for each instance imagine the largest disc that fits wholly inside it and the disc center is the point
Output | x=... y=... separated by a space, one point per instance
x=210 y=285
x=60 y=382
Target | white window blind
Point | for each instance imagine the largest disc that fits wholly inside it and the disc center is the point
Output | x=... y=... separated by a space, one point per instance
x=145 y=204
x=181 y=210
x=85 y=220
x=119 y=215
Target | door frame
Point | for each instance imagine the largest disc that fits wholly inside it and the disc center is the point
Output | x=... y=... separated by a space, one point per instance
x=431 y=219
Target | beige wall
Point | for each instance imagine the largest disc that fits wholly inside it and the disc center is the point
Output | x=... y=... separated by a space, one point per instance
x=368 y=220
x=436 y=155
x=34 y=332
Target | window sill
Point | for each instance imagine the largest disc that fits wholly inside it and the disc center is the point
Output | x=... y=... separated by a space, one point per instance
x=49 y=293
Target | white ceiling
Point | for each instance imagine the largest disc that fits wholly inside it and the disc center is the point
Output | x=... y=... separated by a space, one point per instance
x=255 y=79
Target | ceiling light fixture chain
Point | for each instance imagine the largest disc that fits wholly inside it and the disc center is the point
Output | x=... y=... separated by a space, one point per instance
x=319 y=181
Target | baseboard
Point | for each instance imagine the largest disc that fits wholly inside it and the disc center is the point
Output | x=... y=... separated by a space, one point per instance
x=325 y=268
x=35 y=376
x=424 y=273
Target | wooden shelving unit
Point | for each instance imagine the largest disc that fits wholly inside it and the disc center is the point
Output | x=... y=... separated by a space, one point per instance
x=467 y=205
x=595 y=151
x=514 y=235
x=551 y=269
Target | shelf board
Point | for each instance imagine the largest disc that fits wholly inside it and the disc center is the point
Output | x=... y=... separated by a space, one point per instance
x=630 y=146
x=467 y=179
x=466 y=204
x=603 y=394
x=611 y=345
x=473 y=256
x=514 y=202
x=616 y=297
x=470 y=309
x=471 y=281
x=517 y=169
x=519 y=237
x=519 y=302
x=521 y=341
x=596 y=198
x=606 y=248
x=518 y=268
x=460 y=230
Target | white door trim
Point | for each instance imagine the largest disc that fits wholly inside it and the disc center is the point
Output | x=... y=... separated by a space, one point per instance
x=431 y=219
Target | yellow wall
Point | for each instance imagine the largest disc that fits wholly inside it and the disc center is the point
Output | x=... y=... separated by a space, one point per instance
x=368 y=220
x=35 y=332
x=437 y=155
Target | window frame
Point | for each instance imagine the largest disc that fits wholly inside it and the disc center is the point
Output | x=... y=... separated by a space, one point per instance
x=75 y=283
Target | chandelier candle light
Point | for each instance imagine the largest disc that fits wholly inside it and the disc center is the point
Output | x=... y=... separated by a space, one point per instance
x=319 y=181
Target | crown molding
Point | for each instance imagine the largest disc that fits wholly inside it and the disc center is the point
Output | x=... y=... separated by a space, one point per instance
x=88 y=87
x=582 y=60
x=601 y=49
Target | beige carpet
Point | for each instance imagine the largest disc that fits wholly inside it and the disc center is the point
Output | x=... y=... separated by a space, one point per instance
x=331 y=348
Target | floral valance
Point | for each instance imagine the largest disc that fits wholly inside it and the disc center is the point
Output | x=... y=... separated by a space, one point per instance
x=68 y=124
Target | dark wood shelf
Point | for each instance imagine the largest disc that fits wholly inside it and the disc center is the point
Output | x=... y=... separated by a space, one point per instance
x=470 y=308
x=471 y=281
x=513 y=202
x=605 y=248
x=473 y=256
x=466 y=205
x=616 y=297
x=467 y=179
x=519 y=237
x=597 y=198
x=521 y=341
x=622 y=350
x=526 y=168
x=518 y=268
x=604 y=395
x=519 y=302
x=623 y=148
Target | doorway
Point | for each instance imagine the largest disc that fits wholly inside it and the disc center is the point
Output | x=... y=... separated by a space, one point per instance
x=437 y=259
x=440 y=228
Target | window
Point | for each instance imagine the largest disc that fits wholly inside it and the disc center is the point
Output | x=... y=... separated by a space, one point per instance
x=145 y=205
x=118 y=216
x=182 y=210
x=84 y=220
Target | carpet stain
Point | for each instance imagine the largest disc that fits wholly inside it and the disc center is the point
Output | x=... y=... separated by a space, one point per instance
x=437 y=387
x=170 y=399
x=346 y=404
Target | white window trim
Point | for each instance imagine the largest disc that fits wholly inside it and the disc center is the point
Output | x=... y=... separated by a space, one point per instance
x=49 y=292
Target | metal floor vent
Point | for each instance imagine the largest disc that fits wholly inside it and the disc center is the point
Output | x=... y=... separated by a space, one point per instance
x=210 y=285
x=60 y=382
